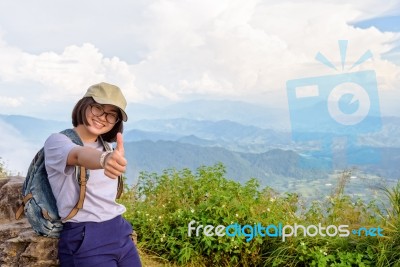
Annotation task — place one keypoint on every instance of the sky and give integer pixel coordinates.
(161, 52)
(167, 51)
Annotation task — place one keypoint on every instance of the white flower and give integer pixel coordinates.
(237, 215)
(192, 210)
(268, 209)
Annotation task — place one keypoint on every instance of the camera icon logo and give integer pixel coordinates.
(332, 107)
(358, 95)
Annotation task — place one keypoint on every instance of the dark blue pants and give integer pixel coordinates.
(105, 244)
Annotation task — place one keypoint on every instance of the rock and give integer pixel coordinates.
(10, 196)
(19, 245)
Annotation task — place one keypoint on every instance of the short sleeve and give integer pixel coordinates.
(56, 150)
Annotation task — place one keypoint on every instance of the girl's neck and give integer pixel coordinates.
(85, 135)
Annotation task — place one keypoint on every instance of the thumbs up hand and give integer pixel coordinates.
(115, 162)
(120, 144)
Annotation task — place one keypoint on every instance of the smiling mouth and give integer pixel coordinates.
(98, 124)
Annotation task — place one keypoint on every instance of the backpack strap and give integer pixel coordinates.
(82, 175)
(20, 209)
(82, 180)
(120, 187)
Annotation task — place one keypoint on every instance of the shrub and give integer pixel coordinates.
(165, 204)
(3, 171)
(161, 206)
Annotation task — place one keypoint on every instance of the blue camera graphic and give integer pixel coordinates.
(326, 110)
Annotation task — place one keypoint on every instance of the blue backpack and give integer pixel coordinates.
(39, 203)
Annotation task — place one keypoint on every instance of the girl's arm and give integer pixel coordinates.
(114, 163)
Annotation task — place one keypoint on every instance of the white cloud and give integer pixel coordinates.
(186, 49)
(11, 102)
(66, 76)
(248, 47)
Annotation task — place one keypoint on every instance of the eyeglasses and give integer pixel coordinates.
(98, 111)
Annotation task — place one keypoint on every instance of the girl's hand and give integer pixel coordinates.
(115, 162)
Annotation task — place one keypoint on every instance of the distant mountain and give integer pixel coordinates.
(215, 110)
(273, 165)
(157, 156)
(246, 150)
(194, 140)
(228, 134)
(139, 135)
(247, 138)
(385, 163)
(34, 129)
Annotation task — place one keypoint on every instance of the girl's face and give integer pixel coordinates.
(101, 118)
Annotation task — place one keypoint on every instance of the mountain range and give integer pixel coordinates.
(244, 138)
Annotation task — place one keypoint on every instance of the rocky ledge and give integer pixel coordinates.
(19, 245)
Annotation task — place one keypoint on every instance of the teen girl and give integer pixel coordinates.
(97, 235)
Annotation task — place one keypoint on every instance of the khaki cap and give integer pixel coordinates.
(105, 93)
